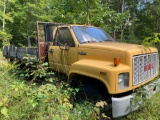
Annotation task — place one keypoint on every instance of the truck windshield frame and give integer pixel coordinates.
(89, 34)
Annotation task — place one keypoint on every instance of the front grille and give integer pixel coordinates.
(144, 67)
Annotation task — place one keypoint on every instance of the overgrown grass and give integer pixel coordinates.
(20, 100)
(148, 112)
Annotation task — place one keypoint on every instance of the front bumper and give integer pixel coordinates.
(122, 106)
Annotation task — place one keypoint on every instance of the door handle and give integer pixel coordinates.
(51, 50)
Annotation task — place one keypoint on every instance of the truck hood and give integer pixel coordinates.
(107, 51)
(116, 46)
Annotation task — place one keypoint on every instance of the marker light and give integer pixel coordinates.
(116, 61)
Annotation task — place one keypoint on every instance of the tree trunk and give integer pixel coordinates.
(28, 29)
(157, 22)
(122, 30)
(114, 34)
(4, 12)
(88, 12)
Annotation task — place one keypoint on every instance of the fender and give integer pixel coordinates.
(100, 70)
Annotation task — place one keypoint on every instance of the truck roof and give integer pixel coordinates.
(76, 25)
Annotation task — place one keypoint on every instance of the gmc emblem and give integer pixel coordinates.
(148, 67)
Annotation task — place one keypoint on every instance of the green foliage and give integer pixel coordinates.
(5, 37)
(30, 100)
(5, 17)
(152, 40)
(140, 97)
(20, 100)
(148, 112)
(130, 20)
(148, 107)
(22, 16)
(32, 71)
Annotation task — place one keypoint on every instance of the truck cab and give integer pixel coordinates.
(88, 51)
(91, 52)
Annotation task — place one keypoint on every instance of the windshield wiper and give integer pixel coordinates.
(89, 41)
(108, 40)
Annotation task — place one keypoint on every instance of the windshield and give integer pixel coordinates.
(87, 34)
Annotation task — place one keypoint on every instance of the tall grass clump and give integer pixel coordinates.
(21, 99)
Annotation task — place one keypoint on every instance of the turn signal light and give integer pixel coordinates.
(116, 61)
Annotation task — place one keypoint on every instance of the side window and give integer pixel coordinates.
(63, 37)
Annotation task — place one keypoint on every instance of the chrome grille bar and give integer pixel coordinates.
(145, 67)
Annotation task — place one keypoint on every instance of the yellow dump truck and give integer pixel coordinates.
(89, 52)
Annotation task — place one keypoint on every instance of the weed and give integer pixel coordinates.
(19, 100)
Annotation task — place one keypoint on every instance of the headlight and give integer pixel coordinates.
(123, 80)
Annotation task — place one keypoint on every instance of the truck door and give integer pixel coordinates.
(63, 53)
(44, 36)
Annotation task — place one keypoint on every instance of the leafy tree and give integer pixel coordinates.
(126, 20)
(152, 40)
(155, 10)
(147, 18)
(4, 17)
(25, 14)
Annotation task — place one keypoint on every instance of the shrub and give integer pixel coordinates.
(20, 100)
(153, 40)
